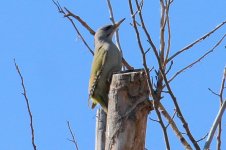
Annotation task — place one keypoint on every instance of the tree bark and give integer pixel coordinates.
(128, 108)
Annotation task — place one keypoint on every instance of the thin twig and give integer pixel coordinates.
(195, 42)
(154, 120)
(61, 10)
(213, 92)
(170, 67)
(28, 106)
(198, 60)
(147, 51)
(139, 9)
(171, 118)
(72, 135)
(202, 138)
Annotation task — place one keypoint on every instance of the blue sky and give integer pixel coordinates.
(55, 65)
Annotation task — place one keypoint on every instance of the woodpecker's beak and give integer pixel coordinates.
(118, 23)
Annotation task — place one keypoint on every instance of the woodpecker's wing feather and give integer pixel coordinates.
(97, 68)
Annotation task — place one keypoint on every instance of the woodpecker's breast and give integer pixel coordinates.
(114, 57)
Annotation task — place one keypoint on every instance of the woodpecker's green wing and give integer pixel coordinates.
(97, 68)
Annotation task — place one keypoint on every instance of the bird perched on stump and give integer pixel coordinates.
(107, 60)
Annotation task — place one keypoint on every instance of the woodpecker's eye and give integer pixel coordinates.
(107, 27)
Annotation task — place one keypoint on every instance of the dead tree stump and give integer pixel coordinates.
(128, 109)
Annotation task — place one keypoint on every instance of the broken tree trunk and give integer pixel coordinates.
(128, 109)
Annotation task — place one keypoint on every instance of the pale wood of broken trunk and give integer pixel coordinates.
(128, 109)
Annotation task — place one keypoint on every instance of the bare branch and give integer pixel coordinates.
(165, 7)
(162, 30)
(145, 65)
(147, 71)
(174, 127)
(84, 24)
(219, 135)
(145, 30)
(181, 117)
(214, 126)
(164, 128)
(113, 21)
(221, 102)
(195, 42)
(158, 57)
(72, 135)
(125, 63)
(139, 8)
(169, 33)
(73, 24)
(28, 106)
(222, 86)
(198, 60)
(111, 11)
(146, 68)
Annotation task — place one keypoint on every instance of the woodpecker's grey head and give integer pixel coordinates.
(106, 32)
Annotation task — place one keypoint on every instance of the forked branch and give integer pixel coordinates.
(181, 117)
(217, 123)
(72, 135)
(84, 24)
(198, 60)
(195, 42)
(62, 11)
(174, 127)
